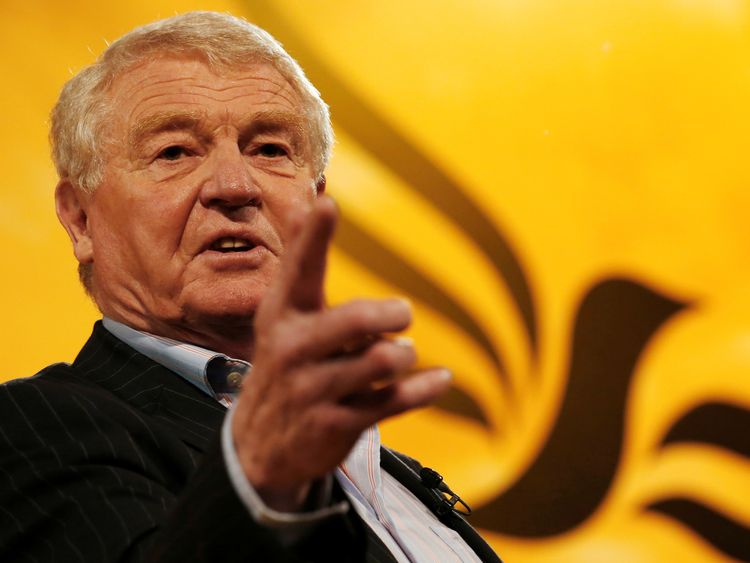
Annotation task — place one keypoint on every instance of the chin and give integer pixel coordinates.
(226, 310)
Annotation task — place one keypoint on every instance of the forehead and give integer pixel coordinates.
(191, 86)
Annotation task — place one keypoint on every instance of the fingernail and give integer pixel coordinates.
(444, 375)
(403, 304)
(403, 341)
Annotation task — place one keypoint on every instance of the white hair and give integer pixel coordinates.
(225, 42)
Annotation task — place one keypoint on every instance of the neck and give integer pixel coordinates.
(226, 336)
(236, 341)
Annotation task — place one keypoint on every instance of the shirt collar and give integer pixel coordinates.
(186, 360)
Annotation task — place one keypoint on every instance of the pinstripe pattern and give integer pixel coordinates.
(187, 360)
(113, 458)
(413, 533)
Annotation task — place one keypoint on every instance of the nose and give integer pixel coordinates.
(231, 183)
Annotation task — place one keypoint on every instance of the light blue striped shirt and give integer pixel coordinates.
(407, 528)
(187, 360)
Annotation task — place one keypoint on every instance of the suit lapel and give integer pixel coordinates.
(151, 388)
(196, 418)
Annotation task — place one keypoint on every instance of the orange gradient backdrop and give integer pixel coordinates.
(601, 139)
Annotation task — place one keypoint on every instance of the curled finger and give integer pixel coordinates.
(415, 391)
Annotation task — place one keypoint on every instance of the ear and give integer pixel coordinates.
(320, 187)
(71, 204)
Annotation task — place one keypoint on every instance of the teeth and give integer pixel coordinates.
(230, 242)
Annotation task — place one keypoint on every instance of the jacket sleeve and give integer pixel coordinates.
(85, 479)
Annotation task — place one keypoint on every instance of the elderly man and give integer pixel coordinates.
(191, 159)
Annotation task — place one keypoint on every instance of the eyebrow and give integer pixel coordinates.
(270, 122)
(259, 123)
(161, 122)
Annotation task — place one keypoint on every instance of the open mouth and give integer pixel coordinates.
(231, 244)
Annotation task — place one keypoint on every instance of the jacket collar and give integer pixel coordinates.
(109, 362)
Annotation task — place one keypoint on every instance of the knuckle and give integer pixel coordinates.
(384, 359)
(298, 390)
(309, 387)
(285, 340)
(327, 424)
(283, 348)
(361, 316)
(398, 356)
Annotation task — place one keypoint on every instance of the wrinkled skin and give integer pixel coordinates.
(194, 160)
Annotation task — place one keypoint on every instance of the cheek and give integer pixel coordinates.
(287, 203)
(160, 220)
(143, 232)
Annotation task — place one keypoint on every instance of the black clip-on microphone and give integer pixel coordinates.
(428, 486)
(433, 480)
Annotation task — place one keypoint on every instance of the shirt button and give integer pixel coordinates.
(234, 379)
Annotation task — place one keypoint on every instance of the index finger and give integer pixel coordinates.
(304, 264)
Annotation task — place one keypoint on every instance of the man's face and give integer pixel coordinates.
(191, 218)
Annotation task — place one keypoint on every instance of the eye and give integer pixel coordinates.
(175, 152)
(271, 150)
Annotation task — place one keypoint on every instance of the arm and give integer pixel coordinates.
(321, 375)
(86, 477)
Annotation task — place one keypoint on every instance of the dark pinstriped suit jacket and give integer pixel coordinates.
(113, 458)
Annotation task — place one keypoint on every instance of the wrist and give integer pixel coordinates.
(274, 488)
(285, 499)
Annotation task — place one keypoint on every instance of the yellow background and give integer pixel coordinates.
(603, 137)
